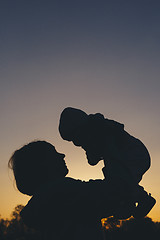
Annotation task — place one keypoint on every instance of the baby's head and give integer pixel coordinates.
(83, 130)
(36, 163)
(71, 124)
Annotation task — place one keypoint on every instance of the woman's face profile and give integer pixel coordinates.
(59, 164)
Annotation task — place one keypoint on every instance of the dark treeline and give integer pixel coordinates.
(15, 229)
(132, 229)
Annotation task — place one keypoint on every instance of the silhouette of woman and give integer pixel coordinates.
(60, 207)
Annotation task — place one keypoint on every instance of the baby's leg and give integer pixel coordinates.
(115, 171)
(144, 201)
(140, 203)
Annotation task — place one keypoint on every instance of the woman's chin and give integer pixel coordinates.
(67, 171)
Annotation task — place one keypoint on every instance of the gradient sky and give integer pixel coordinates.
(100, 56)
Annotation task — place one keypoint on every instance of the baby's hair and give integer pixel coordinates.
(31, 164)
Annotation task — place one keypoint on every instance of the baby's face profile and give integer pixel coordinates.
(89, 144)
(93, 157)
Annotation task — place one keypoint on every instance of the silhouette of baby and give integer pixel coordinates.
(61, 207)
(125, 157)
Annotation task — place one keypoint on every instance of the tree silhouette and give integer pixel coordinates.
(15, 229)
(132, 229)
(3, 228)
(110, 223)
(16, 212)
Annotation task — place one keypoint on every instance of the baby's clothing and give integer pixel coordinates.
(125, 157)
(114, 144)
(128, 156)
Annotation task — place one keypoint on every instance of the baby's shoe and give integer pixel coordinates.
(144, 206)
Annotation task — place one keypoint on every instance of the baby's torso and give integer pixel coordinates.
(130, 153)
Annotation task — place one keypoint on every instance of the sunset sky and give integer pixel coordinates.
(99, 56)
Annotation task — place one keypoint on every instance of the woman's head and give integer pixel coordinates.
(35, 164)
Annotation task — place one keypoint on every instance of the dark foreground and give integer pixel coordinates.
(142, 229)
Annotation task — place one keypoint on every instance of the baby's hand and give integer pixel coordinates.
(92, 158)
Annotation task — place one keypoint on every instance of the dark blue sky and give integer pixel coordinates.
(49, 28)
